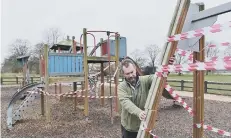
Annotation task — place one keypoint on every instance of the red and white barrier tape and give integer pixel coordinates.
(178, 99)
(144, 127)
(189, 56)
(70, 94)
(221, 44)
(190, 110)
(225, 58)
(200, 32)
(214, 65)
(210, 128)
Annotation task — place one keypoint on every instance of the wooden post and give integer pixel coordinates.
(48, 114)
(157, 86)
(74, 83)
(102, 85)
(198, 92)
(75, 98)
(86, 105)
(182, 85)
(117, 38)
(41, 78)
(206, 87)
(101, 77)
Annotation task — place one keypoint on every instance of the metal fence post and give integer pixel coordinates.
(16, 80)
(206, 86)
(182, 85)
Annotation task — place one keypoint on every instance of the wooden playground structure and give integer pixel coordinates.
(62, 64)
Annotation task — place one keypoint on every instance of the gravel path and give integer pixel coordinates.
(66, 123)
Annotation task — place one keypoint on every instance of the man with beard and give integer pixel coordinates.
(132, 93)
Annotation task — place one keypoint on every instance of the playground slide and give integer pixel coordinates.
(12, 118)
(94, 49)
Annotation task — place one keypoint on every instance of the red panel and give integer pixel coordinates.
(104, 48)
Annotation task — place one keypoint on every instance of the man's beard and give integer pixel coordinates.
(132, 81)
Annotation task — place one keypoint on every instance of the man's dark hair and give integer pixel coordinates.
(125, 62)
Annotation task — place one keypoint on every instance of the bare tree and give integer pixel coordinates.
(179, 59)
(153, 51)
(228, 51)
(18, 48)
(210, 51)
(53, 35)
(138, 56)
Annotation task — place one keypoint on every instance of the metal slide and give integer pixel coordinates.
(13, 116)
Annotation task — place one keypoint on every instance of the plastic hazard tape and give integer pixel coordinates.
(179, 99)
(226, 58)
(200, 32)
(221, 44)
(210, 128)
(214, 65)
(70, 94)
(144, 127)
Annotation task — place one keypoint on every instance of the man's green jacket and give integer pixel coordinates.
(132, 101)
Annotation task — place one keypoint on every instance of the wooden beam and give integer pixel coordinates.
(198, 88)
(157, 86)
(86, 103)
(41, 60)
(102, 86)
(117, 38)
(48, 111)
(101, 78)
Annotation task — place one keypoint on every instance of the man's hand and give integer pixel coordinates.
(142, 115)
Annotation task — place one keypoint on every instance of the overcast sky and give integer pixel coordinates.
(143, 23)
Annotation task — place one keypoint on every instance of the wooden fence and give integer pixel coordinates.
(187, 85)
(182, 85)
(16, 80)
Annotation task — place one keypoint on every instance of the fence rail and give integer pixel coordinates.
(184, 85)
(17, 80)
(209, 86)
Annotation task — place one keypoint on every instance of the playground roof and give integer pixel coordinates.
(23, 57)
(65, 45)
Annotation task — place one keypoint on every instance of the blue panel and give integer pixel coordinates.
(73, 63)
(77, 63)
(81, 64)
(123, 47)
(65, 63)
(62, 64)
(56, 64)
(69, 64)
(112, 47)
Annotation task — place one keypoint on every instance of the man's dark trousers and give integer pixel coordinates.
(128, 134)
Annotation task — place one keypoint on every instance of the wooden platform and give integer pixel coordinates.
(97, 59)
(65, 79)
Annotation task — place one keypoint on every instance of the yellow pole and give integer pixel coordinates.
(198, 88)
(117, 73)
(48, 114)
(101, 78)
(41, 78)
(86, 112)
